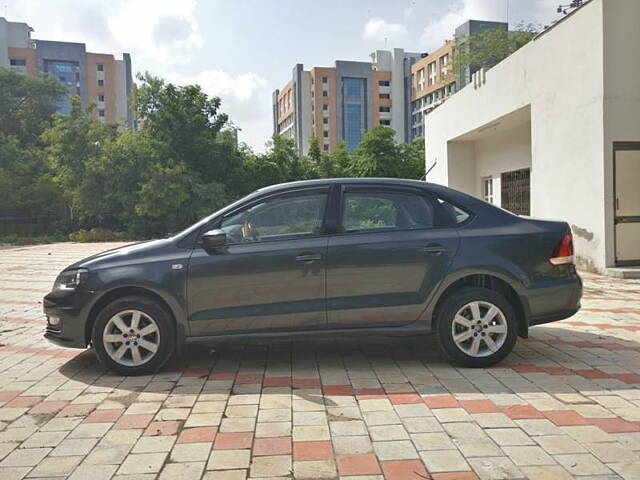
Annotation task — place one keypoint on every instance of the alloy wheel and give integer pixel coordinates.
(479, 329)
(131, 338)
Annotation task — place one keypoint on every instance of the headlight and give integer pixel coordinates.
(70, 279)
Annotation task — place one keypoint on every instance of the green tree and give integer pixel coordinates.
(315, 155)
(75, 143)
(412, 164)
(341, 160)
(188, 121)
(489, 47)
(377, 155)
(27, 105)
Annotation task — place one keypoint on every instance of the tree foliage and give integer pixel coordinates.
(489, 47)
(181, 164)
(26, 109)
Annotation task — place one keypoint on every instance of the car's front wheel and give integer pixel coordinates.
(476, 327)
(133, 335)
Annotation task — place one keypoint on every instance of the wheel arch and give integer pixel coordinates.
(124, 291)
(499, 282)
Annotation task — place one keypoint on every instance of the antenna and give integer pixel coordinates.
(385, 42)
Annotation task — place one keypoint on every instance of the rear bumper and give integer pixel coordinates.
(555, 300)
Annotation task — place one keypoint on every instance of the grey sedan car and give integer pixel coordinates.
(324, 257)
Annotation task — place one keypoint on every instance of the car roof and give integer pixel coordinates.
(352, 180)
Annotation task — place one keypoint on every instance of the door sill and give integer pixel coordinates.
(364, 331)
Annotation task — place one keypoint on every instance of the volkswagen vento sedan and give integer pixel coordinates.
(324, 257)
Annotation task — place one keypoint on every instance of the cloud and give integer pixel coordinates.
(161, 33)
(378, 29)
(459, 12)
(245, 97)
(442, 28)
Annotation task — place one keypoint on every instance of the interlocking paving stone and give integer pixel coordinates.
(565, 404)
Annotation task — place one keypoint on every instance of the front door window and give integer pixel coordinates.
(277, 219)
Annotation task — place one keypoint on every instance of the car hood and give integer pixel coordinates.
(122, 254)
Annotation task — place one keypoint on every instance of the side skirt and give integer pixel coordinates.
(388, 331)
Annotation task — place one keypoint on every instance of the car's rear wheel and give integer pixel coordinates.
(133, 335)
(476, 327)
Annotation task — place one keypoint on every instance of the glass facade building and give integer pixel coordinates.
(355, 110)
(67, 73)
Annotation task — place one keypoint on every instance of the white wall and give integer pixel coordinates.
(121, 91)
(502, 152)
(4, 43)
(560, 75)
(621, 93)
(305, 111)
(12, 34)
(398, 94)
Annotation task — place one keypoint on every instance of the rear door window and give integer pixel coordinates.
(383, 211)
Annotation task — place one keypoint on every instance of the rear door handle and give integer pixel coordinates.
(308, 257)
(435, 249)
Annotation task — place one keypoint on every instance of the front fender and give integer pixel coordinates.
(159, 280)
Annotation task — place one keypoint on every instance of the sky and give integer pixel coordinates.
(242, 50)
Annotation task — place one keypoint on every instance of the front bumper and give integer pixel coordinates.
(72, 308)
(555, 300)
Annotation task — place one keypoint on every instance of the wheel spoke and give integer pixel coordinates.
(491, 313)
(459, 319)
(461, 337)
(475, 311)
(135, 320)
(120, 351)
(496, 329)
(490, 343)
(148, 330)
(119, 322)
(152, 347)
(113, 338)
(475, 346)
(135, 355)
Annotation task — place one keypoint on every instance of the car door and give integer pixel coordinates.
(391, 252)
(270, 274)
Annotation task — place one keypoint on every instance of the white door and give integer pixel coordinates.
(627, 204)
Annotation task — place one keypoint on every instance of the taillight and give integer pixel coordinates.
(563, 254)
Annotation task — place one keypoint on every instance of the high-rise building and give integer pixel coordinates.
(94, 77)
(340, 103)
(433, 79)
(432, 82)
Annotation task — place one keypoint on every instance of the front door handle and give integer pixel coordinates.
(308, 257)
(435, 249)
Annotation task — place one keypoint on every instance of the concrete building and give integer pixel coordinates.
(554, 131)
(340, 103)
(433, 79)
(94, 77)
(432, 82)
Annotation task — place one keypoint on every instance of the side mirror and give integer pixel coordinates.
(213, 239)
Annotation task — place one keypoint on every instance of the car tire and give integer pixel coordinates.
(476, 327)
(134, 335)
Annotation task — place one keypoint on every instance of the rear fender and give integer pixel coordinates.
(428, 315)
